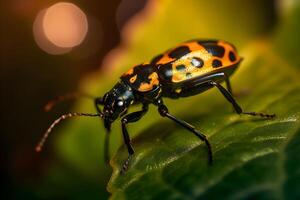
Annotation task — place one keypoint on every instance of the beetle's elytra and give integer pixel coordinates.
(189, 69)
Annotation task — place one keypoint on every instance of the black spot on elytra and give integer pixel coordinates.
(165, 71)
(180, 68)
(214, 49)
(156, 59)
(197, 62)
(216, 63)
(188, 75)
(232, 56)
(179, 52)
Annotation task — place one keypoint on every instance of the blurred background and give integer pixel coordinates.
(48, 47)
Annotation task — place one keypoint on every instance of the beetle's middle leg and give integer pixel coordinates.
(132, 117)
(236, 107)
(163, 111)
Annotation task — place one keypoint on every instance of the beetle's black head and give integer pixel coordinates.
(116, 102)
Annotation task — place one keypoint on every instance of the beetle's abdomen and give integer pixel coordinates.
(196, 59)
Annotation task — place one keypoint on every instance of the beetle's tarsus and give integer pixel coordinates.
(264, 115)
(125, 165)
(235, 105)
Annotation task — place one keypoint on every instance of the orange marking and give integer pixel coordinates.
(228, 47)
(199, 52)
(144, 87)
(193, 46)
(132, 79)
(129, 72)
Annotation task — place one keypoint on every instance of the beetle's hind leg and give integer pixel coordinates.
(236, 107)
(163, 111)
(241, 93)
(228, 84)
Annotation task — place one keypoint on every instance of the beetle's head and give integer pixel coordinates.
(116, 102)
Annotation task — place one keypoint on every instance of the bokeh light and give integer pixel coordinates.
(65, 24)
(60, 27)
(41, 39)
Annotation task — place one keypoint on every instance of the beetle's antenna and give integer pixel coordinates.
(57, 121)
(65, 97)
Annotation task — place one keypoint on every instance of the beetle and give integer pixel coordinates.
(189, 69)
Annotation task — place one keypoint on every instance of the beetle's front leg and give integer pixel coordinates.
(132, 117)
(99, 101)
(236, 107)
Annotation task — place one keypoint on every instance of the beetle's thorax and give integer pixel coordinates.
(117, 101)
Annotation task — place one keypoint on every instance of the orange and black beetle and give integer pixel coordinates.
(189, 69)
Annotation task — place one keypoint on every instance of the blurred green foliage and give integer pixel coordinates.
(253, 157)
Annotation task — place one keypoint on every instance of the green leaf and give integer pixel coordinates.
(253, 158)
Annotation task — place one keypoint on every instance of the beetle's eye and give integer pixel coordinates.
(120, 103)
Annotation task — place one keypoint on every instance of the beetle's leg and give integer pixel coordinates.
(106, 146)
(99, 101)
(229, 88)
(228, 85)
(236, 107)
(132, 117)
(163, 111)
